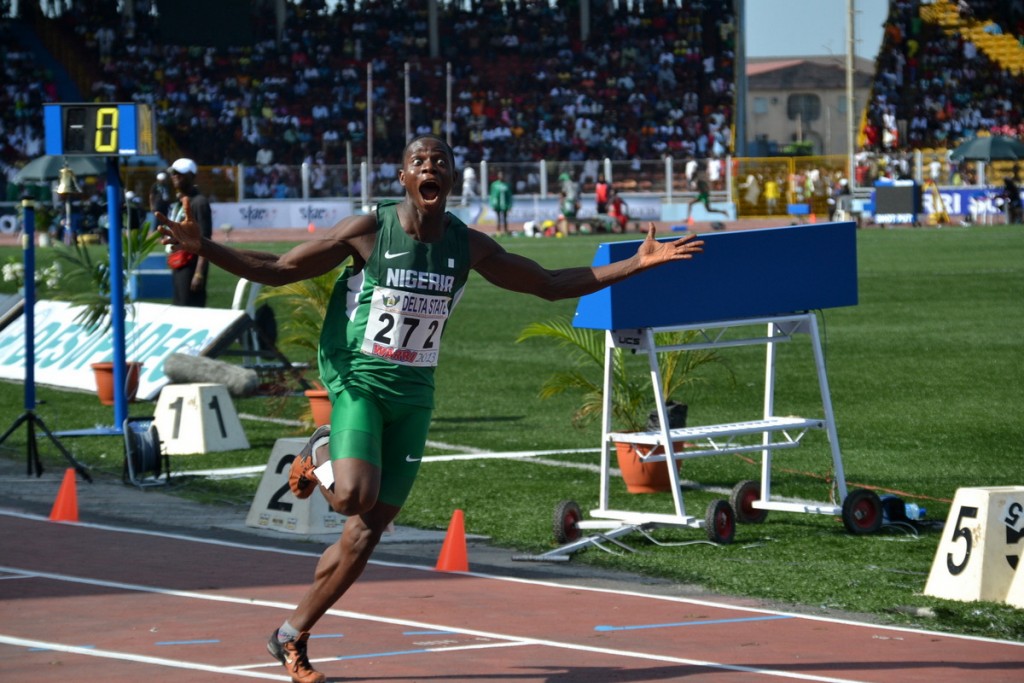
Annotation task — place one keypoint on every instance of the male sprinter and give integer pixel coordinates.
(379, 346)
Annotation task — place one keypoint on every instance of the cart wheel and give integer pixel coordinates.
(742, 499)
(567, 519)
(720, 522)
(862, 512)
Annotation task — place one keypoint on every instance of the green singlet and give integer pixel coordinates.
(381, 341)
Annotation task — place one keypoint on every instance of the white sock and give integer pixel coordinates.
(322, 441)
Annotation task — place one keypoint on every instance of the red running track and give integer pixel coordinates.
(86, 604)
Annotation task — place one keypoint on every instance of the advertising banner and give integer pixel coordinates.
(65, 349)
(280, 214)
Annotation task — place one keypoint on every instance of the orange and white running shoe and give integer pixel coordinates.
(293, 655)
(301, 479)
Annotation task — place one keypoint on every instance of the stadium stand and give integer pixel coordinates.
(524, 85)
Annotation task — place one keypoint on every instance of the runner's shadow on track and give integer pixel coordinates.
(616, 674)
(576, 674)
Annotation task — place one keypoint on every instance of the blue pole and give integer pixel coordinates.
(116, 291)
(28, 245)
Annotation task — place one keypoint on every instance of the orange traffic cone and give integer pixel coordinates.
(65, 507)
(453, 551)
(311, 227)
(689, 220)
(812, 218)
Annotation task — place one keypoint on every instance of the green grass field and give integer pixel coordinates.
(927, 381)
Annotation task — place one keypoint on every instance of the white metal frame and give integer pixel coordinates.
(776, 433)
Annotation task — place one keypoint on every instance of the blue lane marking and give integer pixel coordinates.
(691, 623)
(428, 633)
(47, 649)
(187, 642)
(326, 635)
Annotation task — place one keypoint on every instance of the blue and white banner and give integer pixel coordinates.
(280, 214)
(65, 350)
(976, 202)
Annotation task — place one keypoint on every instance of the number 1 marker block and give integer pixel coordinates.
(981, 545)
(275, 507)
(198, 418)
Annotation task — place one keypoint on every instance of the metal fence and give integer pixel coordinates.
(759, 186)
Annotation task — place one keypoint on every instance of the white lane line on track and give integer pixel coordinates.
(383, 620)
(4, 512)
(138, 659)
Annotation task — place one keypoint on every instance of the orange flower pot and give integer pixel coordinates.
(319, 405)
(640, 476)
(104, 374)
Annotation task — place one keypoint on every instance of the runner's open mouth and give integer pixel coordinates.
(430, 190)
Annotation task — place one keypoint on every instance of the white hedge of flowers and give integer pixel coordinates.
(49, 277)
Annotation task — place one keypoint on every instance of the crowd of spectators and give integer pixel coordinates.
(933, 89)
(24, 89)
(524, 86)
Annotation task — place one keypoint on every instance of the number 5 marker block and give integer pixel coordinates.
(981, 545)
(198, 418)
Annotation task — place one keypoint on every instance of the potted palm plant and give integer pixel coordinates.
(306, 303)
(85, 282)
(632, 393)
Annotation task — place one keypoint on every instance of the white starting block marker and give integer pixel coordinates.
(276, 507)
(981, 546)
(198, 418)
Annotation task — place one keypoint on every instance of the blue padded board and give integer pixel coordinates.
(740, 274)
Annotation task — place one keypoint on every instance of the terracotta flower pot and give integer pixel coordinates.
(651, 477)
(319, 405)
(643, 477)
(104, 374)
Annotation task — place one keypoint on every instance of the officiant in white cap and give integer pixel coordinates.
(188, 271)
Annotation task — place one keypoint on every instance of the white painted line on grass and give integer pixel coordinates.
(510, 455)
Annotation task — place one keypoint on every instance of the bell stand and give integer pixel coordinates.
(29, 417)
(117, 327)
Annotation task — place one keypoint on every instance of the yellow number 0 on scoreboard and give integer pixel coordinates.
(106, 129)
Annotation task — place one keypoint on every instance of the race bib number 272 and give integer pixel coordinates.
(405, 327)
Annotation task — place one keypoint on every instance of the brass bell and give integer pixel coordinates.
(67, 186)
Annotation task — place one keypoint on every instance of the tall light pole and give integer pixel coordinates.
(740, 12)
(448, 103)
(408, 115)
(851, 115)
(369, 129)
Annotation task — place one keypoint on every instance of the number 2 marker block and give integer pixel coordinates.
(275, 507)
(981, 545)
(198, 418)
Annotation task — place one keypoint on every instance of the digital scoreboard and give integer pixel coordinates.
(99, 129)
(897, 202)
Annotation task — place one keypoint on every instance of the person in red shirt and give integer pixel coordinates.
(601, 193)
(618, 210)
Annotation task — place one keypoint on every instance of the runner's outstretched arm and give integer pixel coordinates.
(520, 274)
